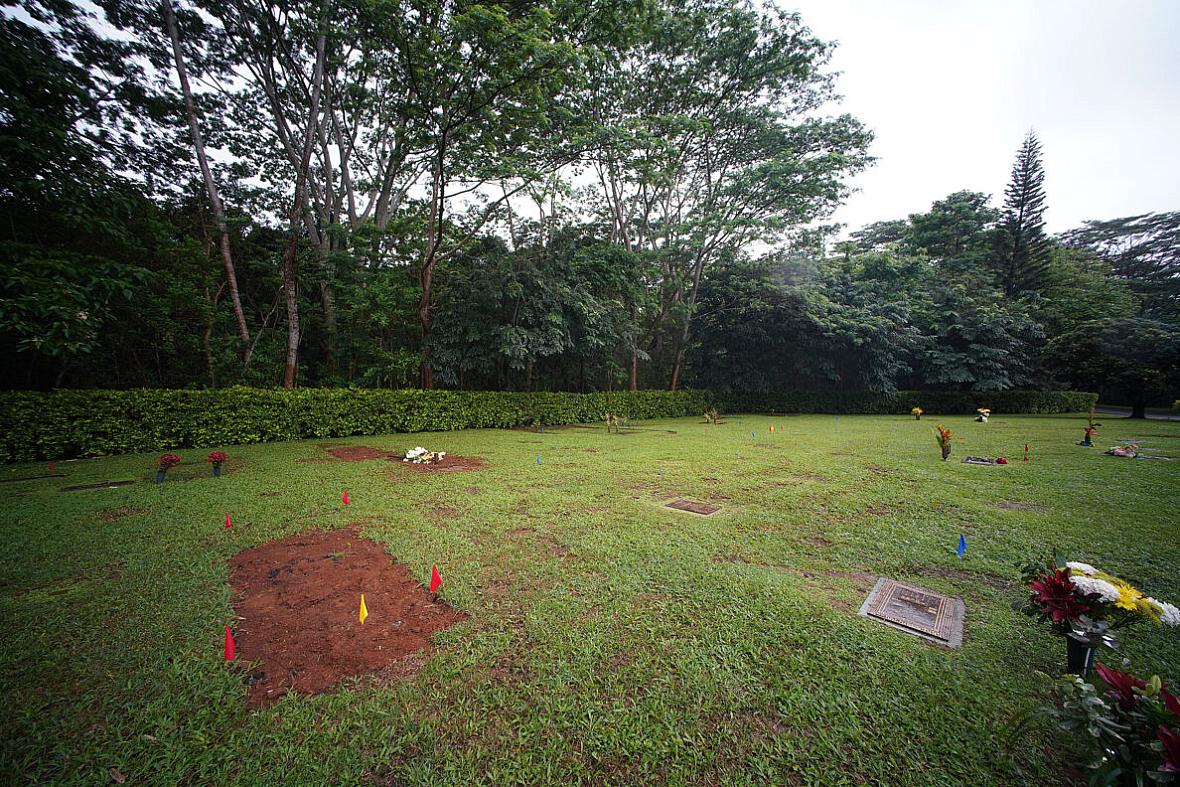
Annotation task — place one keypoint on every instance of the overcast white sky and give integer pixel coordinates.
(951, 87)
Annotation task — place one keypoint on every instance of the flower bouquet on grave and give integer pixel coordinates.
(167, 461)
(982, 414)
(1091, 430)
(216, 458)
(1086, 605)
(917, 413)
(1129, 450)
(1130, 727)
(420, 456)
(943, 435)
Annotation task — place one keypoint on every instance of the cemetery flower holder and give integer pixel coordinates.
(1086, 605)
(1127, 728)
(1088, 437)
(982, 414)
(166, 461)
(943, 435)
(917, 413)
(216, 458)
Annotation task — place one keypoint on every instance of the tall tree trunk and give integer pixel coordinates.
(289, 280)
(682, 344)
(328, 301)
(1138, 408)
(426, 271)
(210, 185)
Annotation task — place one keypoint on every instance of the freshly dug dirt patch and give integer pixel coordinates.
(449, 464)
(297, 604)
(359, 453)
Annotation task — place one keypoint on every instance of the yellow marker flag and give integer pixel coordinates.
(364, 612)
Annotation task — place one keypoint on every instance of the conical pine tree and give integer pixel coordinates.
(1022, 248)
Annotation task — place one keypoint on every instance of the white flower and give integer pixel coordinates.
(1169, 614)
(1088, 585)
(1084, 568)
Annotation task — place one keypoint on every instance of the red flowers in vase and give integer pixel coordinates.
(1055, 595)
(166, 461)
(216, 458)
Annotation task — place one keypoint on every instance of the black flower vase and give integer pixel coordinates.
(1079, 657)
(216, 469)
(160, 475)
(946, 452)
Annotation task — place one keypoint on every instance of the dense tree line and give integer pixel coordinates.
(549, 195)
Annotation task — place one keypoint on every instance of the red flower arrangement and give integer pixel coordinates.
(1056, 596)
(217, 457)
(1171, 741)
(1001, 461)
(1129, 725)
(1122, 683)
(169, 460)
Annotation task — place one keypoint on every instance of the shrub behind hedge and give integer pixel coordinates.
(63, 424)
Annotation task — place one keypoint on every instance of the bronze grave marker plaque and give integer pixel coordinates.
(916, 610)
(704, 509)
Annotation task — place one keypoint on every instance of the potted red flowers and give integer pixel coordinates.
(166, 461)
(216, 458)
(1128, 726)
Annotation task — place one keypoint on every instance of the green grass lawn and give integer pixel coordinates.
(609, 640)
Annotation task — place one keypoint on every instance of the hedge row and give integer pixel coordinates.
(932, 402)
(64, 424)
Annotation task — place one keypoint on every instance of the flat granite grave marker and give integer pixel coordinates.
(704, 509)
(917, 611)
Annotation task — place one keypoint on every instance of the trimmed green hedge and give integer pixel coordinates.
(932, 402)
(64, 424)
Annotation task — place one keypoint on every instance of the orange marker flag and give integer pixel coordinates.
(364, 610)
(228, 524)
(230, 651)
(435, 579)
(345, 498)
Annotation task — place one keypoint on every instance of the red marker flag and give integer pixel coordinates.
(435, 579)
(51, 468)
(229, 645)
(228, 524)
(345, 498)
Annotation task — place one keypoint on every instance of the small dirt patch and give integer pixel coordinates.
(693, 507)
(100, 485)
(879, 470)
(449, 464)
(1010, 506)
(517, 532)
(298, 602)
(113, 514)
(359, 453)
(441, 514)
(818, 542)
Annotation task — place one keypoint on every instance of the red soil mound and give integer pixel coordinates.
(298, 601)
(449, 464)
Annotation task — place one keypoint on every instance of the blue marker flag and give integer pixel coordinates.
(962, 545)
(538, 459)
(751, 434)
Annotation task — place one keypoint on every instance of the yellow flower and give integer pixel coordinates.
(1129, 597)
